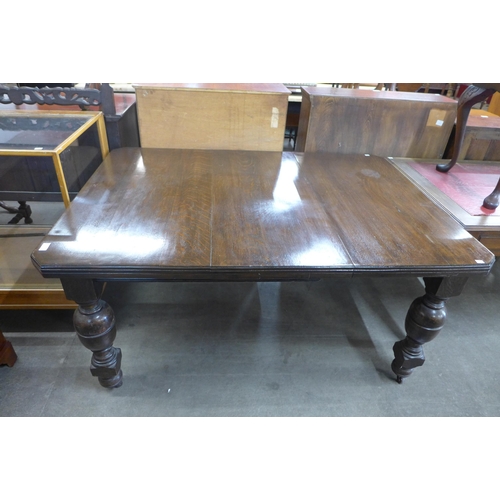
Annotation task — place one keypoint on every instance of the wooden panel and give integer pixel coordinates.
(212, 116)
(181, 214)
(398, 124)
(267, 215)
(482, 137)
(35, 299)
(383, 219)
(490, 239)
(144, 208)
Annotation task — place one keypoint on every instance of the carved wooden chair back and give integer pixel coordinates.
(94, 94)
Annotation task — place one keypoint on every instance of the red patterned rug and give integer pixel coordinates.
(467, 185)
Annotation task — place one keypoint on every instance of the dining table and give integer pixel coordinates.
(182, 215)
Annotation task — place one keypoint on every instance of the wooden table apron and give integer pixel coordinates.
(200, 215)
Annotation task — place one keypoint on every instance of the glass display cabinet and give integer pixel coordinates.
(48, 156)
(44, 156)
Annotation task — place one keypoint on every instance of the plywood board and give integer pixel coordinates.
(251, 117)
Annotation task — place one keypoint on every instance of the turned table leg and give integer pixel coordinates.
(424, 321)
(94, 322)
(7, 354)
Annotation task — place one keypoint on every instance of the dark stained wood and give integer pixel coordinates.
(153, 213)
(95, 325)
(252, 216)
(405, 124)
(7, 354)
(425, 319)
(492, 201)
(61, 95)
(473, 94)
(266, 214)
(383, 221)
(122, 101)
(183, 211)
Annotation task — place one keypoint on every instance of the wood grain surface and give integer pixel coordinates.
(482, 138)
(212, 116)
(398, 124)
(197, 214)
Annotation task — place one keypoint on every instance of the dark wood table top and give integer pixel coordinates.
(239, 215)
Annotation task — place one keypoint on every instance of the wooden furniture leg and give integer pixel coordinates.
(7, 354)
(94, 322)
(424, 321)
(493, 199)
(472, 95)
(23, 212)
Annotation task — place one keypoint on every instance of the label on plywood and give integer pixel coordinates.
(275, 118)
(436, 118)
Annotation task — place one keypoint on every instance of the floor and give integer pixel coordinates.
(267, 349)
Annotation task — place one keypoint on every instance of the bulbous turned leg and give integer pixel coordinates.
(95, 326)
(424, 320)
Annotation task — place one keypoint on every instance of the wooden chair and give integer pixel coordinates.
(7, 354)
(473, 94)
